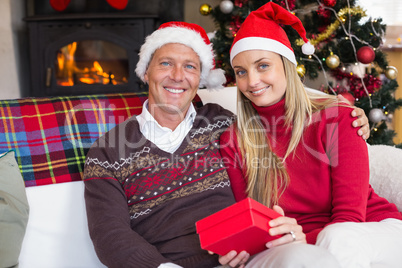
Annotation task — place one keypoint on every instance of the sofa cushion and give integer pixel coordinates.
(51, 136)
(385, 172)
(57, 233)
(14, 210)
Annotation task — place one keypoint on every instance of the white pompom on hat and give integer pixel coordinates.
(261, 30)
(188, 34)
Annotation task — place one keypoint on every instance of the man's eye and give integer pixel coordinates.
(189, 66)
(165, 63)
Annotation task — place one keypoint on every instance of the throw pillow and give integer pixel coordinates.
(14, 210)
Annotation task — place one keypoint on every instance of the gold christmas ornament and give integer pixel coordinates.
(301, 70)
(391, 72)
(205, 9)
(332, 61)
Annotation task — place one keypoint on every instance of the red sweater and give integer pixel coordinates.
(329, 174)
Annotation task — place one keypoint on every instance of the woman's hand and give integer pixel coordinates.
(232, 259)
(288, 227)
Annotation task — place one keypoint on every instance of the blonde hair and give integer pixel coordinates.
(267, 182)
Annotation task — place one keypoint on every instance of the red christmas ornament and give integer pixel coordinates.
(365, 55)
(329, 3)
(349, 97)
(59, 5)
(118, 4)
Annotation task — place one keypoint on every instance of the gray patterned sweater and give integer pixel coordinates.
(142, 203)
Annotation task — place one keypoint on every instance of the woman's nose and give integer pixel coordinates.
(253, 79)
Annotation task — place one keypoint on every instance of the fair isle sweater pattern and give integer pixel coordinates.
(151, 177)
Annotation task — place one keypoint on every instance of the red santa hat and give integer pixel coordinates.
(261, 30)
(191, 35)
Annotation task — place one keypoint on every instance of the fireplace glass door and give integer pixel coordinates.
(91, 62)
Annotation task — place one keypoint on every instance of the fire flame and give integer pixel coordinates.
(69, 74)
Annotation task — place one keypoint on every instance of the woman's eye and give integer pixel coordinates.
(263, 66)
(240, 73)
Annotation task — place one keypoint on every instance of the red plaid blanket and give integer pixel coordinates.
(51, 136)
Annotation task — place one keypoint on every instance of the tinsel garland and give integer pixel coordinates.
(355, 84)
(332, 27)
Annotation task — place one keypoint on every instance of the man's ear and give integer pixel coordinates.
(146, 77)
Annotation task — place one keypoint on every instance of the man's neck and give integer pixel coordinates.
(170, 121)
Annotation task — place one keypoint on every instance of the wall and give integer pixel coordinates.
(192, 13)
(395, 59)
(393, 50)
(12, 38)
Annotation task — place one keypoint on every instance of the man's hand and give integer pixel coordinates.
(232, 259)
(361, 121)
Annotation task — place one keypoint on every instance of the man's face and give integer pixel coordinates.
(173, 76)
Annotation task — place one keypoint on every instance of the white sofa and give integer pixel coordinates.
(57, 234)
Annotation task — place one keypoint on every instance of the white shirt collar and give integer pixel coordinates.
(163, 137)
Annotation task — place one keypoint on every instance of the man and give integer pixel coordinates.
(149, 180)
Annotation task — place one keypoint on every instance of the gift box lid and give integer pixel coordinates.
(232, 211)
(241, 226)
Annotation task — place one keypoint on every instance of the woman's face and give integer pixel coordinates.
(260, 76)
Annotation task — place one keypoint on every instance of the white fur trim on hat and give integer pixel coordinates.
(187, 37)
(262, 43)
(308, 48)
(216, 79)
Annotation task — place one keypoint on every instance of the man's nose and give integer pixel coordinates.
(177, 73)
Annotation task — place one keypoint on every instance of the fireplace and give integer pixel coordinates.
(72, 55)
(88, 48)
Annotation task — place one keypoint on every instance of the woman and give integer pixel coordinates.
(296, 151)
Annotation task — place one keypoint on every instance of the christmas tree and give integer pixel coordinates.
(348, 56)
